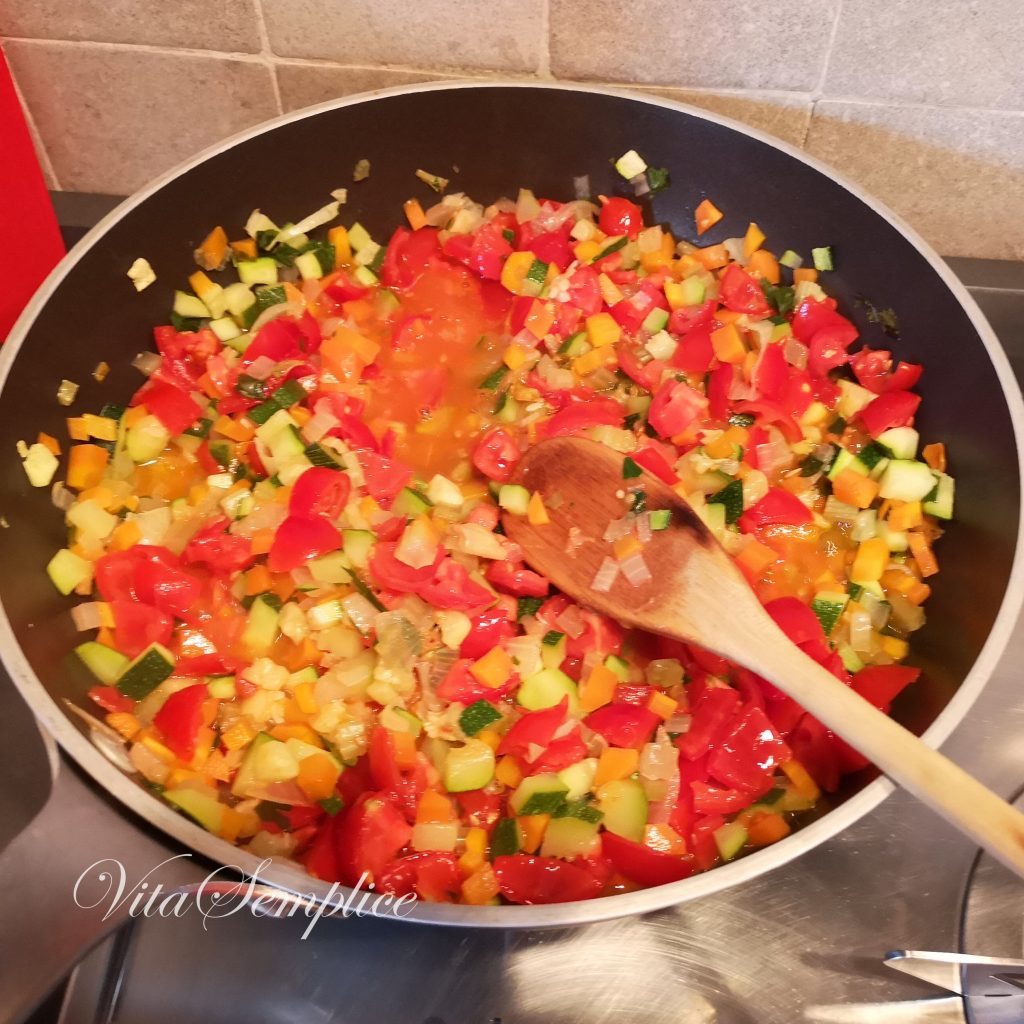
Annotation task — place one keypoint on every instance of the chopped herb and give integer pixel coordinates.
(365, 591)
(332, 804)
(319, 456)
(741, 419)
(781, 297)
(773, 795)
(778, 321)
(494, 378)
(885, 318)
(810, 465)
(435, 181)
(872, 454)
(274, 813)
(201, 428)
(528, 606)
(509, 235)
(615, 246)
(478, 716)
(630, 469)
(221, 453)
(265, 238)
(657, 178)
(638, 502)
(649, 430)
(112, 412)
(552, 638)
(501, 402)
(250, 387)
(731, 496)
(378, 260)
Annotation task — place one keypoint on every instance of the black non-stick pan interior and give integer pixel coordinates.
(490, 141)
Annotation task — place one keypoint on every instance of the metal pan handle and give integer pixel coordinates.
(58, 883)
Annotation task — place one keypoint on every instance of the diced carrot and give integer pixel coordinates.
(213, 253)
(706, 216)
(665, 839)
(86, 464)
(801, 779)
(906, 517)
(494, 668)
(300, 414)
(305, 698)
(762, 263)
(474, 852)
(125, 535)
(124, 723)
(238, 735)
(481, 888)
(727, 343)
(317, 776)
(490, 737)
(258, 580)
(804, 274)
(296, 731)
(50, 443)
(414, 214)
(923, 554)
(755, 558)
(531, 831)
(626, 546)
(598, 688)
(854, 488)
(77, 428)
(536, 512)
(237, 430)
(508, 772)
(404, 746)
(338, 237)
(935, 456)
(245, 247)
(616, 763)
(662, 705)
(284, 586)
(134, 414)
(871, 558)
(767, 828)
(660, 257)
(434, 807)
(918, 593)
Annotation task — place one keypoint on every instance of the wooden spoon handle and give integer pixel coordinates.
(923, 772)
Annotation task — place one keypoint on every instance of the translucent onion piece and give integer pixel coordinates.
(635, 570)
(360, 611)
(87, 615)
(581, 186)
(261, 367)
(61, 497)
(795, 353)
(146, 363)
(571, 621)
(605, 576)
(273, 312)
(860, 631)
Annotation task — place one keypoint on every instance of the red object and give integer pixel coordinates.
(370, 836)
(641, 864)
(173, 407)
(25, 213)
(431, 876)
(579, 416)
(674, 407)
(749, 753)
(739, 292)
(384, 477)
(777, 507)
(110, 698)
(451, 587)
(893, 409)
(488, 630)
(621, 217)
(496, 454)
(299, 540)
(221, 552)
(873, 369)
(711, 717)
(525, 879)
(695, 351)
(180, 719)
(517, 579)
(881, 684)
(534, 728)
(827, 334)
(137, 625)
(623, 725)
(319, 492)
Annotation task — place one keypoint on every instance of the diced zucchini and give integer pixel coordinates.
(477, 716)
(940, 503)
(730, 500)
(258, 271)
(66, 570)
(630, 164)
(661, 344)
(846, 460)
(617, 665)
(514, 499)
(656, 320)
(106, 664)
(410, 502)
(570, 837)
(693, 290)
(850, 658)
(546, 688)
(259, 222)
(357, 544)
(552, 653)
(261, 627)
(308, 265)
(906, 481)
(358, 237)
(470, 766)
(146, 439)
(852, 398)
(190, 306)
(539, 794)
(730, 838)
(203, 808)
(241, 303)
(332, 569)
(901, 441)
(221, 687)
(791, 259)
(895, 539)
(225, 328)
(822, 257)
(575, 345)
(269, 295)
(828, 606)
(146, 672)
(624, 806)
(505, 838)
(365, 276)
(442, 491)
(579, 777)
(40, 465)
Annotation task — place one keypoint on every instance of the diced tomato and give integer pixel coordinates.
(370, 835)
(630, 313)
(168, 587)
(874, 370)
(559, 754)
(321, 858)
(221, 552)
(708, 799)
(482, 808)
(580, 416)
(384, 477)
(279, 340)
(430, 875)
(138, 625)
(174, 407)
(300, 539)
(742, 293)
(391, 574)
(110, 698)
(711, 716)
(619, 216)
(623, 725)
(209, 665)
(827, 334)
(460, 686)
(408, 256)
(451, 587)
(180, 718)
(674, 407)
(694, 352)
(814, 747)
(488, 629)
(319, 492)
(514, 578)
(777, 507)
(600, 635)
(535, 728)
(534, 880)
(773, 413)
(880, 685)
(641, 864)
(718, 387)
(652, 458)
(553, 247)
(892, 409)
(749, 753)
(585, 290)
(496, 454)
(771, 373)
(702, 840)
(343, 289)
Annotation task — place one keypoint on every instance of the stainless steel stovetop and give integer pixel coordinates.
(804, 943)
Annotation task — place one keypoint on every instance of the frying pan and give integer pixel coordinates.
(490, 139)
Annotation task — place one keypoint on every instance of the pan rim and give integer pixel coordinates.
(180, 829)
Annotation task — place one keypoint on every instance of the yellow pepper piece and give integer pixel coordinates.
(616, 763)
(801, 779)
(338, 237)
(317, 775)
(598, 688)
(493, 669)
(513, 273)
(896, 648)
(662, 705)
(626, 546)
(508, 772)
(609, 291)
(514, 357)
(906, 517)
(536, 512)
(474, 855)
(602, 330)
(305, 698)
(239, 735)
(531, 831)
(593, 360)
(752, 240)
(586, 251)
(728, 344)
(872, 557)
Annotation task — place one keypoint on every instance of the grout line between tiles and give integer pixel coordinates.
(544, 62)
(829, 49)
(267, 53)
(49, 171)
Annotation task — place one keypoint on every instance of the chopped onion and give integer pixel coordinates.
(905, 614)
(439, 214)
(635, 570)
(605, 576)
(640, 184)
(154, 524)
(87, 616)
(773, 455)
(261, 367)
(442, 836)
(571, 620)
(525, 652)
(643, 527)
(679, 723)
(837, 511)
(310, 289)
(474, 539)
(864, 528)
(318, 424)
(314, 220)
(734, 247)
(581, 186)
(360, 611)
(273, 312)
(877, 609)
(527, 207)
(61, 497)
(146, 363)
(617, 529)
(658, 760)
(860, 631)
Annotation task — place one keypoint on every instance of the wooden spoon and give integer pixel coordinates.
(698, 595)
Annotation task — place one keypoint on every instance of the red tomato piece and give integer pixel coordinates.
(893, 409)
(370, 835)
(209, 665)
(482, 808)
(815, 748)
(515, 578)
(553, 247)
(773, 412)
(643, 865)
(712, 714)
(461, 687)
(168, 587)
(796, 620)
(709, 799)
(619, 217)
(110, 698)
(880, 685)
(771, 373)
(300, 539)
(319, 492)
(742, 293)
(496, 454)
(533, 880)
(585, 290)
(579, 416)
(694, 352)
(221, 552)
(180, 719)
(408, 256)
(174, 407)
(488, 629)
(451, 587)
(777, 507)
(827, 334)
(384, 477)
(675, 406)
(719, 385)
(623, 725)
(138, 625)
(702, 840)
(748, 754)
(321, 858)
(874, 371)
(559, 754)
(433, 876)
(535, 728)
(652, 458)
(391, 574)
(279, 340)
